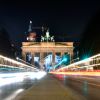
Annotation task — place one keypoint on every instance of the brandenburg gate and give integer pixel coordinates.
(43, 48)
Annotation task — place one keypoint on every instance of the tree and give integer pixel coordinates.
(5, 45)
(90, 42)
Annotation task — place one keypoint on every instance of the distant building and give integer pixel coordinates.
(31, 34)
(31, 37)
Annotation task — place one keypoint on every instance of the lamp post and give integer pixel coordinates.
(25, 62)
(74, 59)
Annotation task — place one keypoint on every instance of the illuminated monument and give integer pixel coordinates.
(38, 51)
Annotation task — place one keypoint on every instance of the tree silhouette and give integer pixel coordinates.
(90, 43)
(5, 45)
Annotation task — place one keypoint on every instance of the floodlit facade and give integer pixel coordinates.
(38, 51)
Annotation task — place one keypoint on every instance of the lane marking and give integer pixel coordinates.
(87, 83)
(14, 94)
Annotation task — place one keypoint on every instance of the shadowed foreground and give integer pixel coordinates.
(49, 88)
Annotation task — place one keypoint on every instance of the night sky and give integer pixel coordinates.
(63, 17)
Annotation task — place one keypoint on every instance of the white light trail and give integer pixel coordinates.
(80, 62)
(12, 96)
(19, 64)
(77, 73)
(6, 79)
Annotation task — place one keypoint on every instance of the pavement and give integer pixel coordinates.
(49, 88)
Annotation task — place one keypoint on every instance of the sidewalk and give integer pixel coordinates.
(49, 89)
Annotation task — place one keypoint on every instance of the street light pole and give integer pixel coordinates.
(74, 59)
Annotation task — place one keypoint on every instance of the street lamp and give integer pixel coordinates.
(25, 62)
(74, 59)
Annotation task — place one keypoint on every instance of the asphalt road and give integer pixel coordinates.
(10, 91)
(89, 87)
(49, 88)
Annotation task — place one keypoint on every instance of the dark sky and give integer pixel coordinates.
(68, 17)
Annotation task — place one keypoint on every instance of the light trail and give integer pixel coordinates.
(10, 62)
(9, 78)
(13, 95)
(78, 73)
(9, 66)
(82, 64)
(90, 83)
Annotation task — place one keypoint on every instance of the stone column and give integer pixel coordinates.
(41, 57)
(24, 56)
(71, 54)
(53, 58)
(41, 60)
(62, 53)
(32, 57)
(70, 57)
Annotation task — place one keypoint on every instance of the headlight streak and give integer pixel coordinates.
(10, 78)
(11, 97)
(84, 73)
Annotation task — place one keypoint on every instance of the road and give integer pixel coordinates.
(89, 87)
(9, 92)
(12, 84)
(49, 88)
